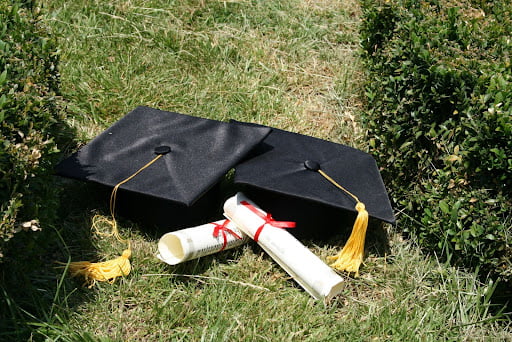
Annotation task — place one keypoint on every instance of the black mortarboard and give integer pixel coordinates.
(281, 176)
(195, 154)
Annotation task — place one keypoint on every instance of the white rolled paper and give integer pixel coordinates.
(317, 278)
(195, 242)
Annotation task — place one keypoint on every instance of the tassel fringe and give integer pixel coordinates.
(102, 271)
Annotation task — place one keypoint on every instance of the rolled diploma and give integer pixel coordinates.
(195, 242)
(321, 281)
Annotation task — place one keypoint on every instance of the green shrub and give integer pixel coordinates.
(29, 119)
(440, 121)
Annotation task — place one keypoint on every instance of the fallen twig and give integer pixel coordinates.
(205, 277)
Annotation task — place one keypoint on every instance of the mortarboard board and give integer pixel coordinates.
(297, 177)
(195, 154)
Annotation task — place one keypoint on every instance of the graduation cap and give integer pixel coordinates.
(188, 155)
(164, 166)
(318, 184)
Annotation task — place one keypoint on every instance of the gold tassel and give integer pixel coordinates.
(106, 270)
(111, 269)
(102, 271)
(351, 256)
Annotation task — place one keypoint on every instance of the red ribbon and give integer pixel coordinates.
(268, 220)
(221, 228)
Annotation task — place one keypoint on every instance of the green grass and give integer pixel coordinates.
(279, 62)
(289, 64)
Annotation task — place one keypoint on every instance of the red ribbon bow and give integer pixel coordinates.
(268, 220)
(221, 228)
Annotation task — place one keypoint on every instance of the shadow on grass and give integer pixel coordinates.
(35, 289)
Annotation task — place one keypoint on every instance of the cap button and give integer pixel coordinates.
(312, 165)
(162, 149)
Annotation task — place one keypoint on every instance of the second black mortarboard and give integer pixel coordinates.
(315, 182)
(193, 154)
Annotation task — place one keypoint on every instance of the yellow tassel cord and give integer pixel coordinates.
(111, 269)
(351, 256)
